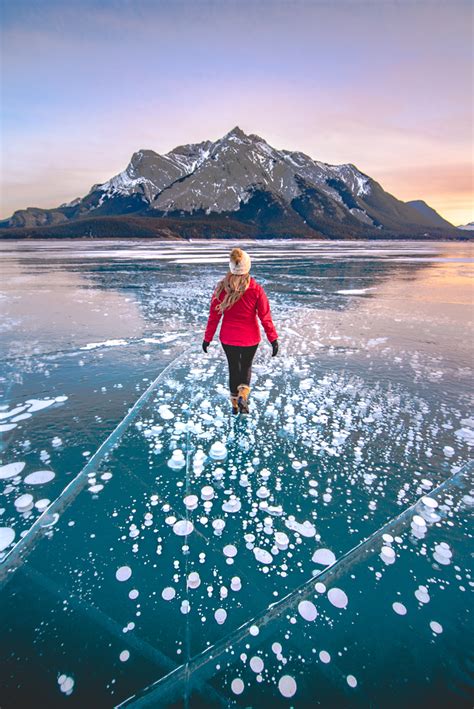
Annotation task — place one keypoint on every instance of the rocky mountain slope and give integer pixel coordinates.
(236, 187)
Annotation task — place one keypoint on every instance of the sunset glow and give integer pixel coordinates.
(386, 86)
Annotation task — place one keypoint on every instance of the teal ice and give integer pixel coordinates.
(157, 551)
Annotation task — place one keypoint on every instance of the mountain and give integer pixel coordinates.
(429, 213)
(238, 186)
(468, 227)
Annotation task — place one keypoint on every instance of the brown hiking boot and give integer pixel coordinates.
(235, 405)
(244, 391)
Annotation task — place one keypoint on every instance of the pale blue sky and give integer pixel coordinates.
(384, 85)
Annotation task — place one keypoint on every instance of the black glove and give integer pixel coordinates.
(274, 345)
(205, 345)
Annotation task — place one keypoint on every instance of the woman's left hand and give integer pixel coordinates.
(274, 345)
(205, 345)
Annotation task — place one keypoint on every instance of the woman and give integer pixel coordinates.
(240, 299)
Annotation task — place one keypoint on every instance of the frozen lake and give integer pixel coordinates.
(143, 564)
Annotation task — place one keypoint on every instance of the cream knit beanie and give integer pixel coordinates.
(239, 263)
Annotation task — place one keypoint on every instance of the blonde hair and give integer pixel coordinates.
(233, 285)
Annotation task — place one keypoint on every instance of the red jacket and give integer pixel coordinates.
(240, 324)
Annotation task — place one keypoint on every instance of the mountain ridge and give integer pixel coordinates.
(240, 184)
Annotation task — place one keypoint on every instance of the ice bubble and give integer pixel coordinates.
(448, 451)
(320, 587)
(256, 664)
(253, 630)
(24, 503)
(351, 681)
(183, 527)
(237, 686)
(307, 610)
(233, 504)
(66, 684)
(42, 504)
(387, 554)
(325, 557)
(177, 459)
(133, 594)
(194, 580)
(7, 535)
(235, 583)
(337, 597)
(38, 404)
(325, 657)
(306, 529)
(49, 520)
(165, 413)
(4, 427)
(429, 502)
(12, 412)
(230, 550)
(207, 492)
(387, 538)
(436, 627)
(287, 686)
(220, 615)
(11, 470)
(123, 573)
(218, 525)
(191, 502)
(263, 492)
(263, 556)
(274, 510)
(419, 521)
(218, 451)
(218, 473)
(168, 593)
(281, 540)
(97, 488)
(399, 608)
(124, 656)
(21, 417)
(422, 596)
(185, 607)
(277, 648)
(443, 560)
(39, 477)
(442, 554)
(443, 550)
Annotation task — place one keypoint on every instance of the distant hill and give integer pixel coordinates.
(238, 186)
(468, 227)
(429, 213)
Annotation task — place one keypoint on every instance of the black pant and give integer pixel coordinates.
(240, 365)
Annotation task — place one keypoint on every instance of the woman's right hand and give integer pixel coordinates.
(274, 345)
(205, 345)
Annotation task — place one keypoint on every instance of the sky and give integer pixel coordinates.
(383, 84)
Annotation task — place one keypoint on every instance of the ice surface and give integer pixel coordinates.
(253, 601)
(246, 582)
